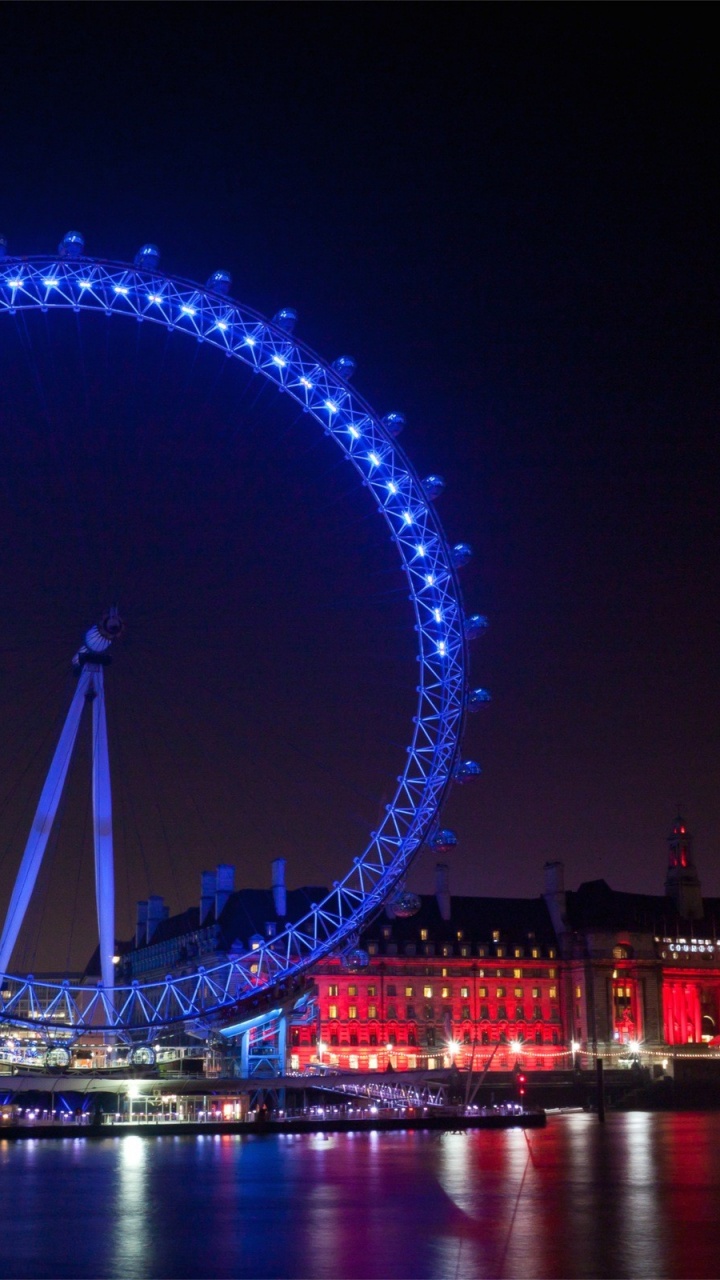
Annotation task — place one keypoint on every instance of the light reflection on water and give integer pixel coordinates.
(636, 1197)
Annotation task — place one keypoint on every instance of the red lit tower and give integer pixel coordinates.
(682, 883)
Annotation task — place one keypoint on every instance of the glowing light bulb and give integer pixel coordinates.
(120, 288)
(374, 459)
(407, 517)
(305, 382)
(330, 404)
(278, 360)
(187, 310)
(354, 432)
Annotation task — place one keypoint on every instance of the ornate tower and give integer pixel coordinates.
(681, 882)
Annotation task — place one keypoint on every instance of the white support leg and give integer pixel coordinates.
(102, 828)
(43, 821)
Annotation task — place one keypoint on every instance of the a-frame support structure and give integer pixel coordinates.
(88, 662)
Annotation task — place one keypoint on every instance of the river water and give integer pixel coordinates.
(639, 1196)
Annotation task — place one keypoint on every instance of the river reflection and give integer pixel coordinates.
(636, 1197)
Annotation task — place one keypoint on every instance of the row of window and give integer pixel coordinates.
(518, 952)
(446, 992)
(430, 1036)
(430, 1014)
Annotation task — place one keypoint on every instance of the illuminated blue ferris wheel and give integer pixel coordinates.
(207, 314)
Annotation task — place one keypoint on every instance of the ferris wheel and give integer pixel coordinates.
(139, 291)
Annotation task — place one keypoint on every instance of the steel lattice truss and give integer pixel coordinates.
(208, 315)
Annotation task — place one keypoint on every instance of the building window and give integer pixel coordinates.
(372, 991)
(386, 932)
(485, 1037)
(518, 952)
(423, 935)
(412, 1038)
(465, 951)
(481, 973)
(537, 1011)
(352, 990)
(484, 1011)
(536, 993)
(500, 951)
(430, 1037)
(332, 1011)
(372, 948)
(552, 953)
(353, 1038)
(429, 1014)
(352, 1011)
(535, 953)
(373, 1062)
(620, 953)
(466, 1037)
(578, 993)
(517, 973)
(465, 1012)
(464, 993)
(445, 993)
(391, 989)
(409, 993)
(552, 993)
(353, 1062)
(410, 1013)
(538, 1035)
(503, 1037)
(372, 1038)
(447, 949)
(295, 1036)
(333, 989)
(499, 992)
(372, 1011)
(518, 993)
(391, 1011)
(496, 935)
(334, 1038)
(482, 992)
(502, 1013)
(427, 992)
(482, 951)
(552, 973)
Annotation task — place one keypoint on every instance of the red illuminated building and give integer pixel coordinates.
(446, 979)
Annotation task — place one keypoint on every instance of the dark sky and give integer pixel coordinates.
(508, 215)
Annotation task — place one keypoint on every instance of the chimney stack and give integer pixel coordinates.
(554, 896)
(207, 895)
(141, 924)
(278, 887)
(442, 889)
(224, 885)
(156, 911)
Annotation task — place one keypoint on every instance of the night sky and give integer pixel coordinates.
(508, 215)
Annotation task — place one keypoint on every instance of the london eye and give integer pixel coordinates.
(140, 292)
